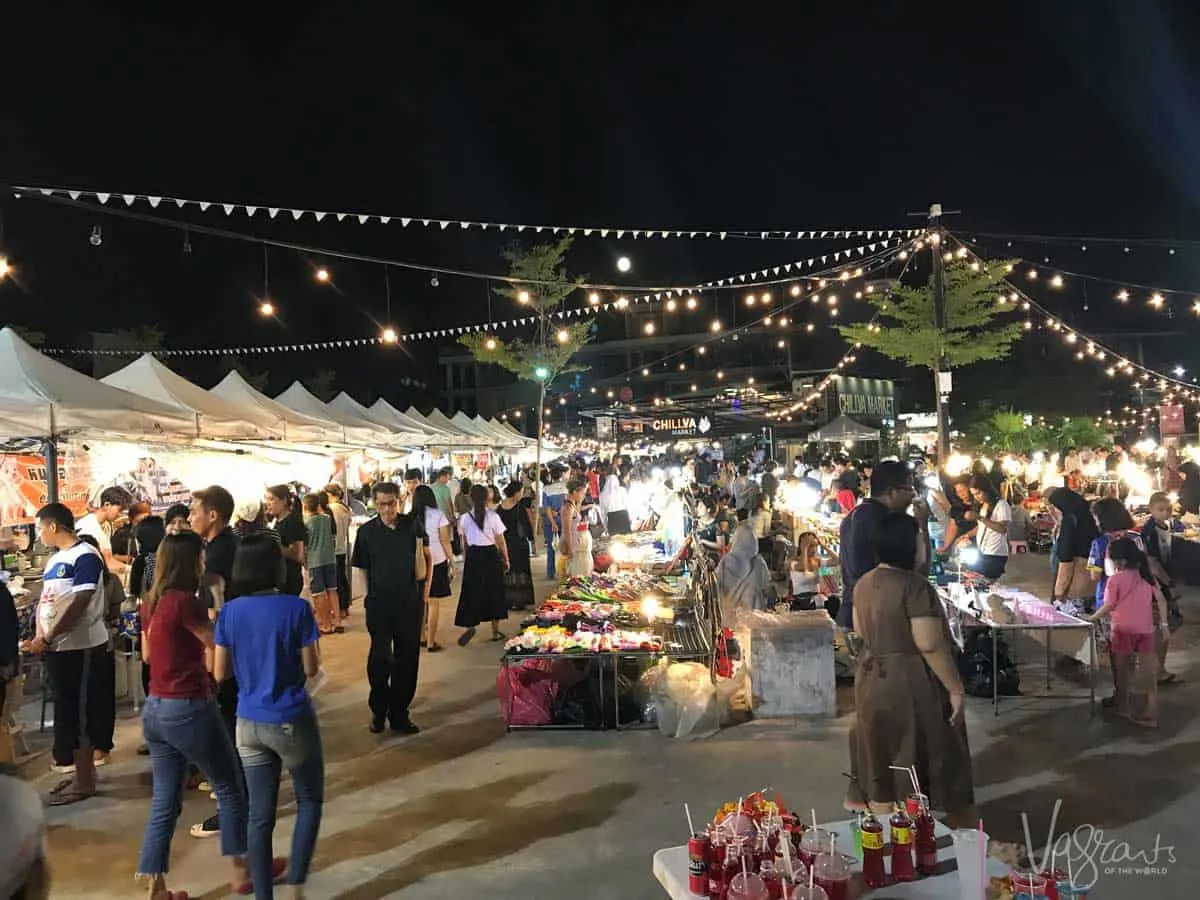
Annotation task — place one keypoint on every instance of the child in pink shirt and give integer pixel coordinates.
(1129, 596)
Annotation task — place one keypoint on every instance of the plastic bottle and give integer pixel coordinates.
(926, 843)
(901, 827)
(872, 852)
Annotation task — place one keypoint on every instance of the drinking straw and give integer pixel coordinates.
(1070, 871)
(912, 776)
(916, 781)
(982, 855)
(687, 812)
(814, 818)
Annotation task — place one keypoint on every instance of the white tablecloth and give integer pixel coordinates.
(671, 869)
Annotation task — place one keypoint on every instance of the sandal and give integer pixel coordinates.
(466, 637)
(1168, 678)
(499, 636)
(278, 874)
(66, 793)
(433, 648)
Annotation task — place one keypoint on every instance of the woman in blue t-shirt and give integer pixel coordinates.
(268, 641)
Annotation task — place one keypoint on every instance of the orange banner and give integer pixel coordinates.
(23, 485)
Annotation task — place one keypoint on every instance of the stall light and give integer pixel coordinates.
(562, 401)
(322, 274)
(563, 335)
(781, 344)
(765, 299)
(810, 327)
(751, 299)
(767, 320)
(610, 395)
(833, 299)
(683, 367)
(716, 325)
(692, 302)
(648, 328)
(701, 349)
(1157, 300)
(694, 387)
(389, 335)
(591, 390)
(490, 343)
(845, 276)
(266, 308)
(795, 290)
(1123, 295)
(672, 305)
(720, 375)
(903, 254)
(594, 298)
(783, 321)
(1056, 281)
(523, 296)
(645, 372)
(961, 252)
(622, 303)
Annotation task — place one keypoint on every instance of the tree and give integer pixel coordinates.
(1082, 432)
(540, 283)
(1002, 430)
(908, 329)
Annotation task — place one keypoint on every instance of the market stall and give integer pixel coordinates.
(971, 610)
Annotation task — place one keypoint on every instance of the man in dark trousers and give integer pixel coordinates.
(386, 550)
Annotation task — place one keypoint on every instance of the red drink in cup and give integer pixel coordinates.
(833, 874)
(814, 842)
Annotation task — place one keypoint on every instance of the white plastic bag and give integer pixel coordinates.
(686, 700)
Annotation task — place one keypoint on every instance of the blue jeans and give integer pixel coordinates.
(178, 732)
(550, 539)
(265, 748)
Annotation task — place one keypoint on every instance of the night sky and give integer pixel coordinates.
(1063, 118)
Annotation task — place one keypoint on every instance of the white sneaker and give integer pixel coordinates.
(63, 770)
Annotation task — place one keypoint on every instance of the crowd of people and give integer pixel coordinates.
(236, 601)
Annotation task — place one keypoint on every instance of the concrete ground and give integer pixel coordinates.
(465, 810)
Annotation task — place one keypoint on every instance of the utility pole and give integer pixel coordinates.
(941, 378)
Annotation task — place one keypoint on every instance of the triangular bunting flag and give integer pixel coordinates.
(362, 220)
(204, 206)
(722, 235)
(319, 216)
(129, 198)
(464, 225)
(776, 270)
(103, 198)
(341, 216)
(154, 201)
(228, 207)
(404, 222)
(603, 232)
(272, 212)
(787, 267)
(74, 195)
(297, 213)
(251, 210)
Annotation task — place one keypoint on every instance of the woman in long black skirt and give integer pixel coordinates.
(515, 513)
(482, 595)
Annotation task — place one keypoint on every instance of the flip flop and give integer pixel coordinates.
(64, 795)
(498, 636)
(466, 637)
(1168, 678)
(278, 874)
(434, 648)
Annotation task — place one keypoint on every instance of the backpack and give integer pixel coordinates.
(112, 596)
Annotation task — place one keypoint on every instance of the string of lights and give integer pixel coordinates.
(1056, 276)
(389, 335)
(1084, 241)
(1115, 364)
(441, 224)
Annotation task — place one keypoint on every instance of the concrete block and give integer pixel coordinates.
(791, 664)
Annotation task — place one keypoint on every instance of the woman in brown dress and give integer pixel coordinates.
(907, 691)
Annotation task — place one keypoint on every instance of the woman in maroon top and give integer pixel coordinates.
(180, 721)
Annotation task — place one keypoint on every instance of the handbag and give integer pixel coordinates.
(419, 568)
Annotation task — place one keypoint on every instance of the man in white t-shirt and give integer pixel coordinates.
(72, 633)
(993, 517)
(100, 524)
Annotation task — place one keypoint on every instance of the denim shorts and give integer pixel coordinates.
(322, 578)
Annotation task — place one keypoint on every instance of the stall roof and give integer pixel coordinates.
(400, 435)
(843, 428)
(387, 413)
(355, 430)
(507, 427)
(214, 416)
(457, 435)
(505, 438)
(463, 422)
(41, 397)
(296, 426)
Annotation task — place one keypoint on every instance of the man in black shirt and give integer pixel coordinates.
(385, 549)
(289, 525)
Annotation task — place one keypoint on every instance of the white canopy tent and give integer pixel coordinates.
(507, 427)
(355, 430)
(464, 423)
(40, 397)
(499, 435)
(385, 412)
(343, 403)
(458, 436)
(296, 427)
(214, 416)
(843, 428)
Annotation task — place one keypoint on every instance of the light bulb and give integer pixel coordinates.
(645, 373)
(767, 320)
(1156, 300)
(5, 268)
(266, 308)
(692, 302)
(563, 335)
(781, 344)
(765, 298)
(1032, 275)
(716, 325)
(523, 297)
(795, 291)
(322, 274)
(562, 401)
(649, 328)
(490, 343)
(622, 303)
(783, 321)
(904, 254)
(389, 335)
(750, 299)
(1123, 295)
(810, 327)
(1056, 281)
(683, 367)
(701, 349)
(671, 305)
(623, 264)
(694, 387)
(720, 376)
(594, 298)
